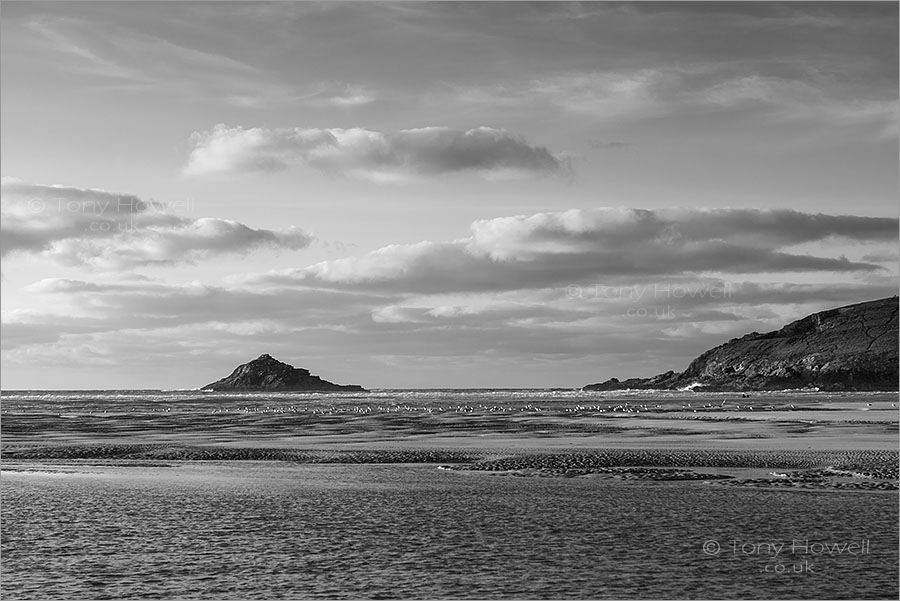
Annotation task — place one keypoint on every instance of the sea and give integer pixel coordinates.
(104, 525)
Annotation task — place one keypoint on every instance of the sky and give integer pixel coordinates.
(425, 195)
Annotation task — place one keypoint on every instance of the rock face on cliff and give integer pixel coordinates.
(849, 348)
(266, 373)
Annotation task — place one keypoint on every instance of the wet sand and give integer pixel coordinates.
(863, 470)
(841, 443)
(839, 427)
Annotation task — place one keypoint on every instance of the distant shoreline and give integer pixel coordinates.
(647, 391)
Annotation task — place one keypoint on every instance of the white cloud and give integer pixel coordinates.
(662, 285)
(143, 322)
(100, 229)
(371, 155)
(551, 249)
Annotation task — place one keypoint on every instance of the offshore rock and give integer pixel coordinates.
(266, 373)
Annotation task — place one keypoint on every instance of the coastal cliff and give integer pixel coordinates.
(848, 348)
(266, 373)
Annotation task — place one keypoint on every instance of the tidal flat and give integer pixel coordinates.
(507, 494)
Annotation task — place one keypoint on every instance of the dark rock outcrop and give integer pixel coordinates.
(849, 348)
(266, 373)
(658, 382)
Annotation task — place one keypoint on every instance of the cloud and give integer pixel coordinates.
(796, 100)
(343, 95)
(887, 257)
(152, 302)
(551, 249)
(327, 94)
(659, 286)
(96, 228)
(133, 57)
(810, 65)
(612, 144)
(370, 155)
(75, 309)
(616, 96)
(211, 328)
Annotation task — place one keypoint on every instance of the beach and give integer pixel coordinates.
(839, 440)
(448, 494)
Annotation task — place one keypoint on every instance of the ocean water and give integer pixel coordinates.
(114, 528)
(258, 530)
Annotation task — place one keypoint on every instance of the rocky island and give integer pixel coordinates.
(265, 373)
(852, 348)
